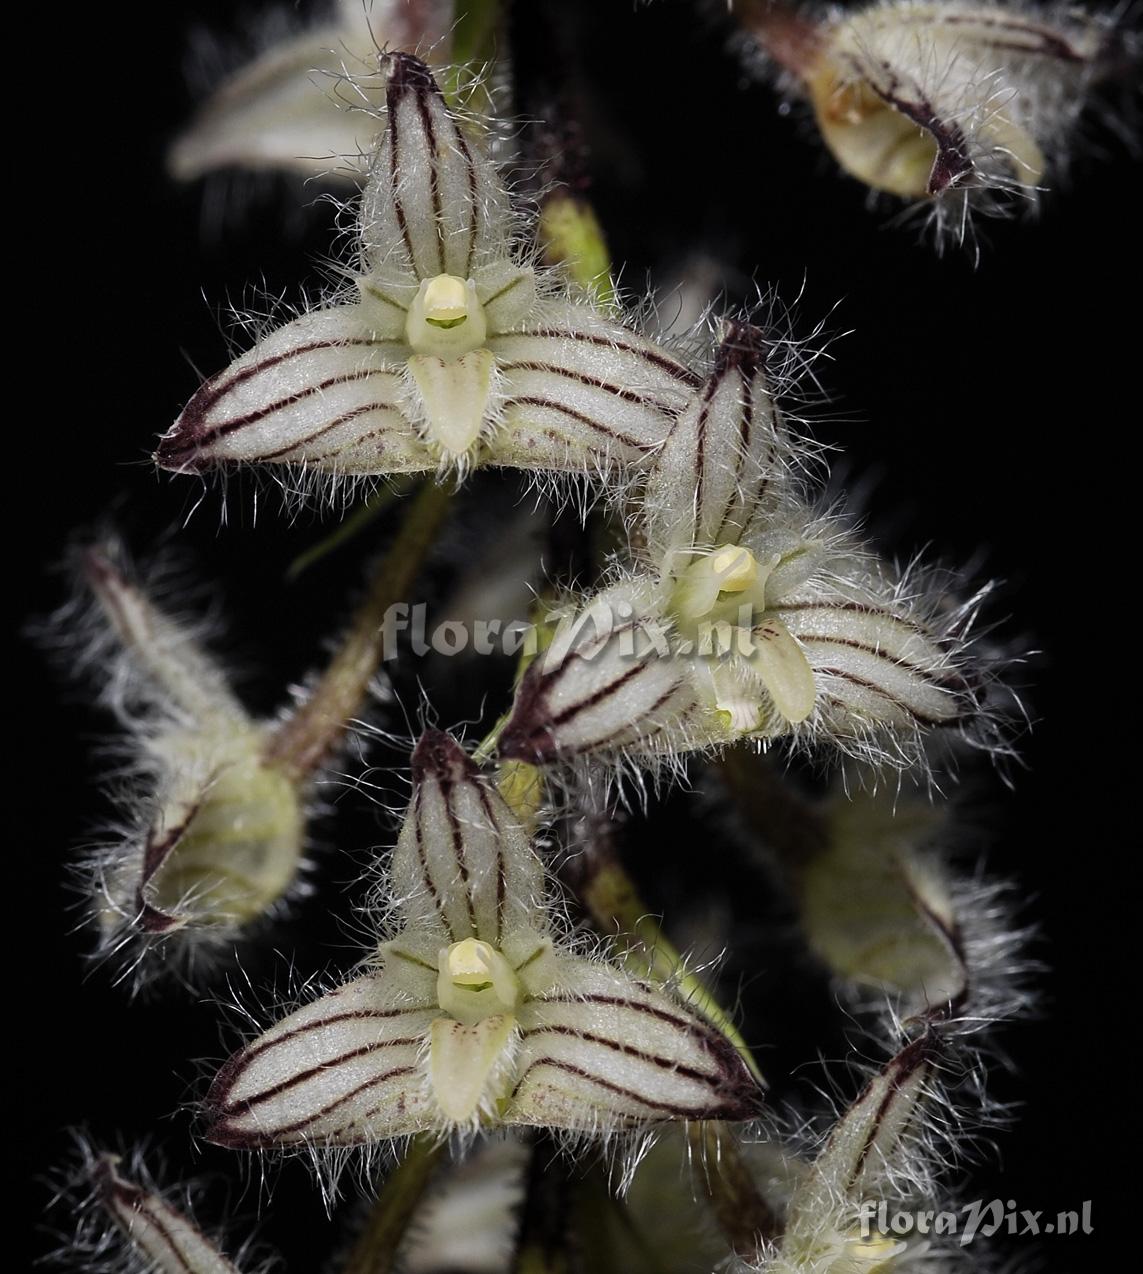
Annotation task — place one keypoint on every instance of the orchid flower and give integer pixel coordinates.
(473, 1013)
(452, 350)
(873, 1152)
(148, 1231)
(744, 616)
(307, 104)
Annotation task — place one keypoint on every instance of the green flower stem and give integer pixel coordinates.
(349, 527)
(613, 902)
(477, 37)
(304, 739)
(572, 237)
(520, 784)
(743, 1215)
(375, 1251)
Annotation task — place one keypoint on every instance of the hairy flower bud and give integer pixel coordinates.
(127, 1223)
(878, 909)
(872, 1153)
(220, 829)
(964, 107)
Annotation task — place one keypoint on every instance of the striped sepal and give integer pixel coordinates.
(609, 1051)
(344, 1070)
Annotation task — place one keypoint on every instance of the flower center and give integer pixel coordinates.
(753, 665)
(446, 319)
(475, 982)
(726, 586)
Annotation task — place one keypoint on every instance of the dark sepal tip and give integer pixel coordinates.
(742, 346)
(439, 754)
(407, 74)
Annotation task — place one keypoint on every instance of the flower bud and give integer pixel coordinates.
(219, 829)
(960, 107)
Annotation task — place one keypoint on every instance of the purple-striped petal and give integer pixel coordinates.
(324, 392)
(158, 1233)
(610, 683)
(433, 204)
(583, 393)
(876, 669)
(463, 866)
(926, 100)
(720, 467)
(344, 1070)
(602, 1050)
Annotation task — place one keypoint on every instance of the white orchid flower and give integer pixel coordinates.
(473, 1013)
(307, 104)
(744, 617)
(150, 1232)
(451, 352)
(874, 1153)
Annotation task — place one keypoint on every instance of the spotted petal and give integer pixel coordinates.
(323, 391)
(602, 1050)
(344, 1070)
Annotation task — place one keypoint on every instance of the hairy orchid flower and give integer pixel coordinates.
(147, 1231)
(472, 1013)
(219, 833)
(744, 617)
(452, 351)
(962, 106)
(307, 104)
(875, 1152)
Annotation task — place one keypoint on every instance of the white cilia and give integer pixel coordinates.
(473, 1013)
(875, 1153)
(743, 616)
(963, 107)
(450, 350)
(217, 839)
(307, 104)
(150, 1232)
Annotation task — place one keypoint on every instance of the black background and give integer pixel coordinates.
(987, 412)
